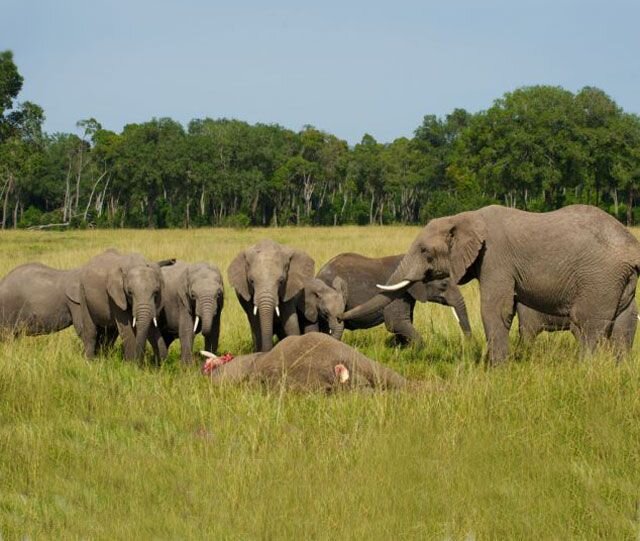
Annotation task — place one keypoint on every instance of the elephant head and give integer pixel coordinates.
(267, 274)
(327, 303)
(446, 247)
(137, 289)
(201, 292)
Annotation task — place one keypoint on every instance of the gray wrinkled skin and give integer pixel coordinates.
(36, 299)
(355, 276)
(114, 288)
(576, 262)
(307, 363)
(531, 323)
(191, 290)
(269, 278)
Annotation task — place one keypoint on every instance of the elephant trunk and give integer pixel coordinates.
(460, 312)
(207, 310)
(266, 308)
(143, 314)
(336, 328)
(407, 272)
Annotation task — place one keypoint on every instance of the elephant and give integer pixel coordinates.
(36, 299)
(355, 277)
(193, 298)
(321, 305)
(310, 362)
(576, 262)
(269, 279)
(121, 294)
(531, 323)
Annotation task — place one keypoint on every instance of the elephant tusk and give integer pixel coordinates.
(394, 287)
(134, 322)
(255, 309)
(155, 322)
(330, 331)
(277, 311)
(195, 325)
(638, 316)
(455, 314)
(208, 354)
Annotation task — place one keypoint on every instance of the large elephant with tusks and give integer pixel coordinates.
(577, 262)
(269, 280)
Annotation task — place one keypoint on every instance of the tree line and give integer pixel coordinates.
(536, 148)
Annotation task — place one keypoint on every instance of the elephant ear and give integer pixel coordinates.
(466, 238)
(340, 285)
(184, 290)
(301, 268)
(115, 288)
(161, 293)
(237, 273)
(310, 305)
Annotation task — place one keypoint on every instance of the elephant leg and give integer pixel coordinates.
(160, 348)
(528, 325)
(186, 335)
(106, 338)
(289, 319)
(89, 334)
(254, 323)
(624, 329)
(76, 317)
(211, 340)
(398, 319)
(128, 341)
(497, 307)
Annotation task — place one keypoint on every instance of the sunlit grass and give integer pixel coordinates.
(547, 447)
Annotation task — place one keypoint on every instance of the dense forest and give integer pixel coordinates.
(536, 148)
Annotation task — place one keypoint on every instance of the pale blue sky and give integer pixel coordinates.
(345, 67)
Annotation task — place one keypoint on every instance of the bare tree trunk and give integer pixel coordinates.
(77, 199)
(15, 213)
(86, 210)
(66, 208)
(5, 205)
(371, 217)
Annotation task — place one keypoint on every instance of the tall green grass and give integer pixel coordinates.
(547, 447)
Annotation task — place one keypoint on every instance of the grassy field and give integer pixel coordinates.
(547, 447)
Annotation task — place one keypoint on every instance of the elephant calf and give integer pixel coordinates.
(36, 299)
(355, 277)
(193, 298)
(311, 362)
(531, 323)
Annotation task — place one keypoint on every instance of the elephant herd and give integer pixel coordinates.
(571, 269)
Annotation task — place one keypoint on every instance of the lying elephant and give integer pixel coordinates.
(311, 362)
(36, 299)
(531, 323)
(355, 276)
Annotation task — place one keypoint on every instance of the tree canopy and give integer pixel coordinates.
(536, 148)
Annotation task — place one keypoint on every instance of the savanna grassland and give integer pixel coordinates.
(547, 447)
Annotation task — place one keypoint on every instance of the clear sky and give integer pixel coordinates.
(345, 67)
